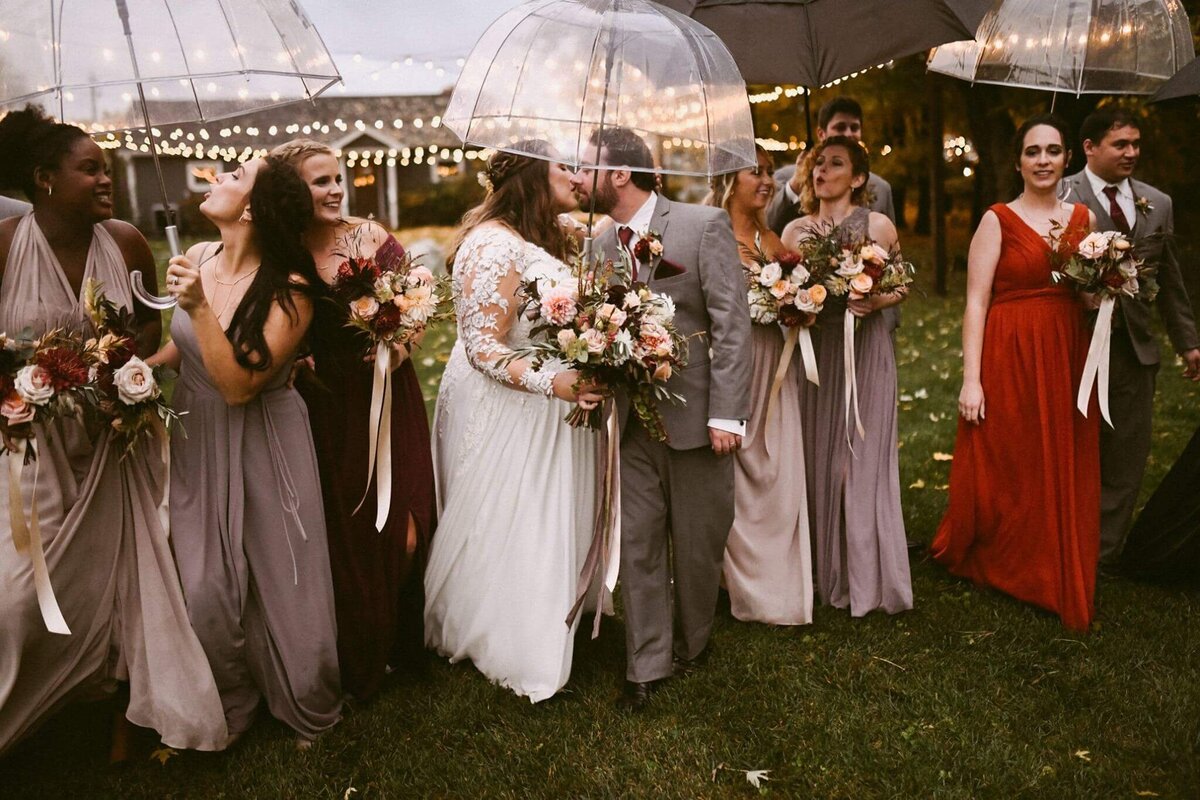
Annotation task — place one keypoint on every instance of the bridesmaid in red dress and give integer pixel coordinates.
(377, 576)
(1024, 513)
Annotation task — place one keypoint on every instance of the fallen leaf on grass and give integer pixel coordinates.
(755, 777)
(163, 755)
(943, 456)
(919, 483)
(348, 792)
(1146, 793)
(1083, 755)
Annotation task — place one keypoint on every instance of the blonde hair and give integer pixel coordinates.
(720, 191)
(297, 151)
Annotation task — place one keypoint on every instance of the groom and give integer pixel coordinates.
(677, 497)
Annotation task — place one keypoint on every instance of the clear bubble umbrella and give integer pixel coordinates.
(1074, 46)
(556, 70)
(112, 65)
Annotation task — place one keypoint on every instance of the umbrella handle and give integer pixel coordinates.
(135, 278)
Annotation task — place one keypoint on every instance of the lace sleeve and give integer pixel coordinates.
(489, 264)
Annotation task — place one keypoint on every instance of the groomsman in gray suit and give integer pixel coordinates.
(677, 497)
(12, 208)
(1112, 142)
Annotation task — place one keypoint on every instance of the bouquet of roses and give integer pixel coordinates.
(1103, 263)
(392, 302)
(614, 331)
(864, 269)
(123, 390)
(40, 380)
(787, 289)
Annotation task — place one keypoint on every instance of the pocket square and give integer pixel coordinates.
(668, 269)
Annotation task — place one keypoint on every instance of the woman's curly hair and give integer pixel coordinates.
(29, 141)
(860, 164)
(280, 206)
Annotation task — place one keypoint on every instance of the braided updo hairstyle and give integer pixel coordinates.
(30, 140)
(519, 197)
(280, 206)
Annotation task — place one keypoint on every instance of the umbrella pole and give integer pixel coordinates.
(808, 116)
(172, 233)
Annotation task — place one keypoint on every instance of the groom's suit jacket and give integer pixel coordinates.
(710, 310)
(1152, 231)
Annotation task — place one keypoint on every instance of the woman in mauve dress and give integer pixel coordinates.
(377, 574)
(108, 556)
(768, 558)
(854, 495)
(247, 523)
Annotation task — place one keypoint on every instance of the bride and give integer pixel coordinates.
(515, 483)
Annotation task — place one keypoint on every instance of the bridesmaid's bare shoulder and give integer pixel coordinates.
(8, 229)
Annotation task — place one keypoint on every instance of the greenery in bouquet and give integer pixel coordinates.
(788, 288)
(1102, 263)
(41, 380)
(616, 332)
(393, 299)
(124, 391)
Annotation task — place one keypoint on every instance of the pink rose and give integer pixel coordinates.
(663, 372)
(595, 340)
(16, 410)
(419, 275)
(364, 307)
(861, 283)
(614, 316)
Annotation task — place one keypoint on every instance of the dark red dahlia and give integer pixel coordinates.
(788, 259)
(641, 250)
(873, 270)
(66, 367)
(386, 320)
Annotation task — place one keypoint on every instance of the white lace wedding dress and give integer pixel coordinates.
(515, 483)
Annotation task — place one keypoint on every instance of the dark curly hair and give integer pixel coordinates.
(281, 205)
(30, 140)
(520, 199)
(860, 164)
(624, 148)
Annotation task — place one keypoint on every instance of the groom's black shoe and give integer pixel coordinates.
(637, 695)
(686, 666)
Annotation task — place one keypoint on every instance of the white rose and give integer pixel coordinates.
(1094, 245)
(135, 382)
(364, 307)
(1128, 269)
(770, 274)
(799, 275)
(850, 266)
(383, 290)
(33, 384)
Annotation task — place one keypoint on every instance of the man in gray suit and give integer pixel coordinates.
(677, 497)
(841, 116)
(1112, 142)
(13, 208)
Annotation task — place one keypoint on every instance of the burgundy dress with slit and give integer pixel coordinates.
(378, 586)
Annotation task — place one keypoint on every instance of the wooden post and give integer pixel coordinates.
(937, 182)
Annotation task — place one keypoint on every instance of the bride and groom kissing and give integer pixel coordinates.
(517, 485)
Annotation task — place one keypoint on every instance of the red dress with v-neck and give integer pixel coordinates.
(1024, 514)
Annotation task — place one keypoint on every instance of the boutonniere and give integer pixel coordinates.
(648, 246)
(1143, 205)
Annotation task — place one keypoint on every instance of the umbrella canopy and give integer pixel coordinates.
(197, 60)
(815, 42)
(1075, 46)
(1184, 83)
(556, 70)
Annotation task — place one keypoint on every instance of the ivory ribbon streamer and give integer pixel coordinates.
(380, 456)
(1095, 369)
(803, 337)
(850, 382)
(604, 555)
(28, 539)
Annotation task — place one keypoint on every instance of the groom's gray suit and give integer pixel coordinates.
(1134, 358)
(677, 498)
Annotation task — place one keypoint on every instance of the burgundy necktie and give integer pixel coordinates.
(1114, 210)
(625, 234)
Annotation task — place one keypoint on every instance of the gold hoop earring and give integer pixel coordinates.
(49, 191)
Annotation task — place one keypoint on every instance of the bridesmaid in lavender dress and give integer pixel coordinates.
(108, 556)
(248, 527)
(861, 553)
(768, 558)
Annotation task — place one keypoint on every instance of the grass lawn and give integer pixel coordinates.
(971, 695)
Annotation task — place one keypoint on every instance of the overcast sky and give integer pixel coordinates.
(384, 33)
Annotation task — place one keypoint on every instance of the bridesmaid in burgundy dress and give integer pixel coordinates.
(377, 576)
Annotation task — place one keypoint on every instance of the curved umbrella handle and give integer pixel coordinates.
(139, 290)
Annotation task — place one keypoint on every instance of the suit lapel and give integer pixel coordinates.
(1083, 190)
(658, 224)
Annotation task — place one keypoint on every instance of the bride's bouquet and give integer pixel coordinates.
(1101, 263)
(124, 390)
(614, 331)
